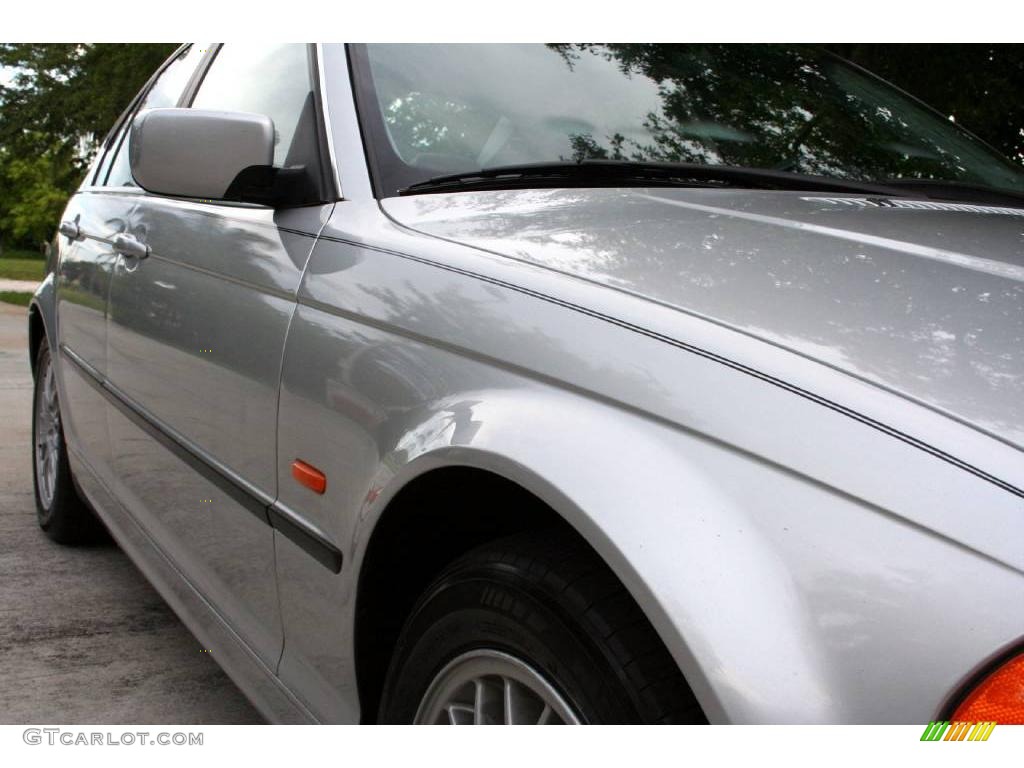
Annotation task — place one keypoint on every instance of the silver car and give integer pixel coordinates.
(549, 384)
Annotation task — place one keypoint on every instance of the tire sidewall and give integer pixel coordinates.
(493, 608)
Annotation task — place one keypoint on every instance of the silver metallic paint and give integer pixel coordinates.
(197, 152)
(179, 344)
(927, 303)
(752, 459)
(731, 497)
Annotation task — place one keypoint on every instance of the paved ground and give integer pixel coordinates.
(23, 286)
(83, 637)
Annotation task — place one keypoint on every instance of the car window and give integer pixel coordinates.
(432, 110)
(271, 80)
(165, 92)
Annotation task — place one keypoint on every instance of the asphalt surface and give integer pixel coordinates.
(83, 637)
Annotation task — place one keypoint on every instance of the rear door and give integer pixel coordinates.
(195, 335)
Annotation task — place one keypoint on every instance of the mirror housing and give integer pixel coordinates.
(204, 154)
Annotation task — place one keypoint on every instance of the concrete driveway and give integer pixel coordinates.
(19, 286)
(83, 637)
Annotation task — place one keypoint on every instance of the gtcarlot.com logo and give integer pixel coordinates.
(74, 738)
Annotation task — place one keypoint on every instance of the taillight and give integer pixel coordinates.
(999, 697)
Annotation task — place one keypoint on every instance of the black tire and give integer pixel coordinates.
(549, 601)
(67, 520)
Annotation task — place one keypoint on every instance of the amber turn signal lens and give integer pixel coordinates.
(309, 476)
(998, 698)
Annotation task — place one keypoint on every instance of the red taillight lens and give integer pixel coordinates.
(999, 697)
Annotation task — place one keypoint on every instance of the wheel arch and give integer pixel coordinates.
(661, 508)
(40, 319)
(412, 531)
(36, 334)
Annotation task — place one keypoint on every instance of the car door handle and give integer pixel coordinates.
(70, 230)
(128, 245)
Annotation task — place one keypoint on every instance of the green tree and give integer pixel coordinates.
(35, 188)
(61, 101)
(980, 85)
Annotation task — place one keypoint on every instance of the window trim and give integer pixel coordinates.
(188, 93)
(328, 160)
(329, 172)
(329, 179)
(117, 151)
(115, 129)
(371, 123)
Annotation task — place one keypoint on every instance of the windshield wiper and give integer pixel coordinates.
(619, 173)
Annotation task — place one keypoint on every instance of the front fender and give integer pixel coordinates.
(800, 561)
(781, 599)
(676, 537)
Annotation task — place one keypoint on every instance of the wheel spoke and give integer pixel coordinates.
(510, 718)
(488, 702)
(47, 433)
(522, 705)
(45, 479)
(459, 714)
(478, 704)
(490, 687)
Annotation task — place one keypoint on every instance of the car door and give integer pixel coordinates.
(85, 264)
(200, 303)
(82, 283)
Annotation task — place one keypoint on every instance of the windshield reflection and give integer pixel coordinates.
(441, 109)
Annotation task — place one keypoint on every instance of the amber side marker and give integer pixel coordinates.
(309, 476)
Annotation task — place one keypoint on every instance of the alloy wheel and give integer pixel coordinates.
(489, 687)
(47, 435)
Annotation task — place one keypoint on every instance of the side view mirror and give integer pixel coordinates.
(204, 154)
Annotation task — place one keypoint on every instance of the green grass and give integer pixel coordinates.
(21, 253)
(15, 297)
(22, 268)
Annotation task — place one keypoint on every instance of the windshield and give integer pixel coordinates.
(431, 110)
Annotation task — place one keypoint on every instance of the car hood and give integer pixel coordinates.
(925, 299)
